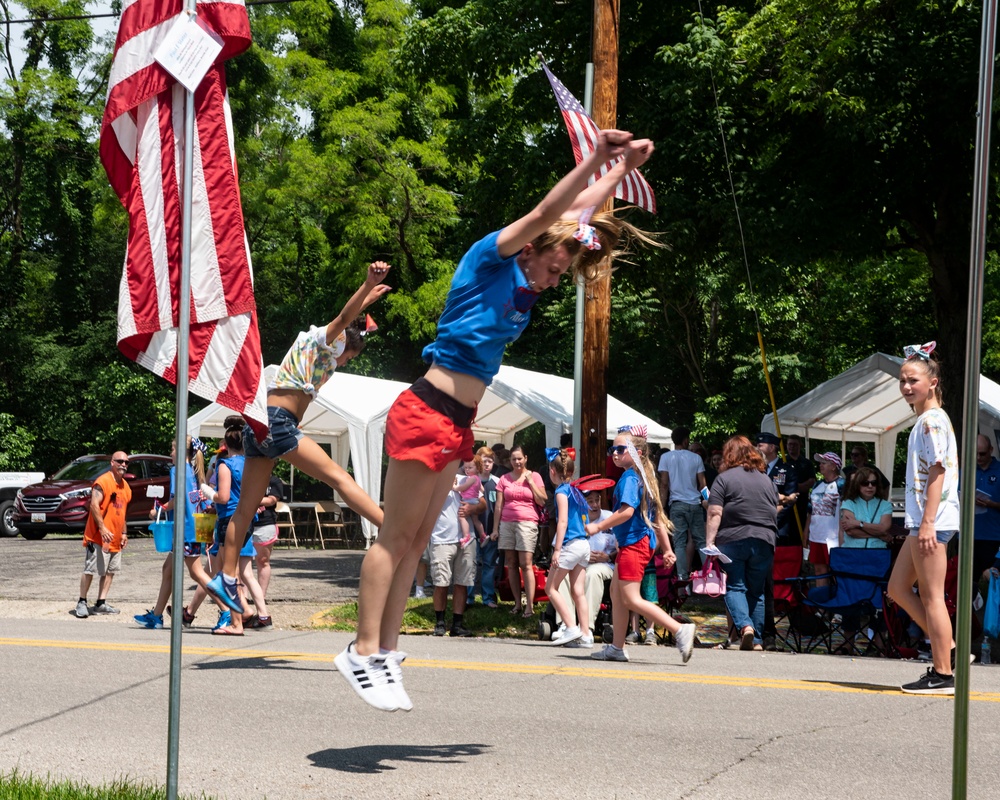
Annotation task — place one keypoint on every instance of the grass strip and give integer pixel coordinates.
(16, 785)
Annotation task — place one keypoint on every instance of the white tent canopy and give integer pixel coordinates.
(548, 399)
(349, 414)
(863, 404)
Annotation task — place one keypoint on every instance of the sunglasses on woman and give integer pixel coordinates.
(869, 483)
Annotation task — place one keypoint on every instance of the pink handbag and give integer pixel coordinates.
(710, 580)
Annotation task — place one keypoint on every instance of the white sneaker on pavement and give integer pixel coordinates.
(568, 635)
(685, 641)
(369, 677)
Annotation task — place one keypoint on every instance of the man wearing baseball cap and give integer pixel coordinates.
(783, 476)
(823, 520)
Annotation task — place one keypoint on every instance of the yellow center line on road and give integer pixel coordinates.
(621, 674)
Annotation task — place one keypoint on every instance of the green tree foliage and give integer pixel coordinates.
(406, 130)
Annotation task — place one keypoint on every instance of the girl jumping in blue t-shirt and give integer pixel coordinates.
(428, 430)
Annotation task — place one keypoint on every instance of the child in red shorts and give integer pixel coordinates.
(428, 429)
(640, 526)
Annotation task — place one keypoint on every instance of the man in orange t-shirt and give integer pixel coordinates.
(105, 536)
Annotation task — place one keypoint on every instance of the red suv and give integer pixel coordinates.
(59, 504)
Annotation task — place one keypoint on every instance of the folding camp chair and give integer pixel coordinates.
(786, 574)
(857, 581)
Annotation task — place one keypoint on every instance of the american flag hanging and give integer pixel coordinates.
(583, 135)
(142, 145)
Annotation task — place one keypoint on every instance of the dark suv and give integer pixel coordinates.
(59, 504)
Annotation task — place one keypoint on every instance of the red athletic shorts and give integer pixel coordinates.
(632, 560)
(417, 431)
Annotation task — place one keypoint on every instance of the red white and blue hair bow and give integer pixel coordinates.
(586, 234)
(921, 351)
(552, 452)
(635, 430)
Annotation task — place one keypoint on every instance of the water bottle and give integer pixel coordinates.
(985, 656)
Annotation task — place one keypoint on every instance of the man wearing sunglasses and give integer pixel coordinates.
(104, 536)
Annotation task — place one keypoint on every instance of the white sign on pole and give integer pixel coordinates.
(188, 50)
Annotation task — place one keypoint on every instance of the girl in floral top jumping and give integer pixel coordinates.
(309, 363)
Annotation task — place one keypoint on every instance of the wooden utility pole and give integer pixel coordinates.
(597, 308)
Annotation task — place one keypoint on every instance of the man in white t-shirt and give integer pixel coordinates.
(682, 478)
(452, 565)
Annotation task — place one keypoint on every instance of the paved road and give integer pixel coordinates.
(492, 719)
(42, 580)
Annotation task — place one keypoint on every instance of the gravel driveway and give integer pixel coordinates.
(42, 579)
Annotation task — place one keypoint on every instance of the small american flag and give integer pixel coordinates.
(583, 135)
(142, 146)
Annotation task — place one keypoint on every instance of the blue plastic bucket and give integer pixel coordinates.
(163, 535)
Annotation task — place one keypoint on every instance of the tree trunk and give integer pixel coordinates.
(949, 286)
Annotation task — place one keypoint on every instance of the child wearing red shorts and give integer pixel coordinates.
(641, 527)
(428, 430)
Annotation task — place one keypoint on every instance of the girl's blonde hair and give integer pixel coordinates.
(615, 234)
(651, 497)
(197, 461)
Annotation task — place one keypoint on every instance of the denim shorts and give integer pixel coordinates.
(943, 537)
(283, 437)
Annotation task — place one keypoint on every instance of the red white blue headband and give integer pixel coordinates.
(635, 430)
(921, 351)
(586, 234)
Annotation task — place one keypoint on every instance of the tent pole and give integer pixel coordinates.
(970, 429)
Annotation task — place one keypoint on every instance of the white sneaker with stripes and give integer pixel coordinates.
(369, 677)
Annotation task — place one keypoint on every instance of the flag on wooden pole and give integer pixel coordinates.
(142, 149)
(583, 134)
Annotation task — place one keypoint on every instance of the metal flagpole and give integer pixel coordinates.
(970, 430)
(581, 298)
(180, 426)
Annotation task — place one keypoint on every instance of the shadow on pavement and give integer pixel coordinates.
(257, 663)
(865, 687)
(370, 759)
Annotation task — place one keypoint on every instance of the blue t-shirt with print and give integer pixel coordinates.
(577, 515)
(488, 306)
(628, 492)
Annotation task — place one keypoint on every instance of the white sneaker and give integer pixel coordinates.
(82, 612)
(568, 635)
(369, 677)
(585, 642)
(685, 641)
(558, 631)
(393, 661)
(610, 653)
(419, 592)
(650, 635)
